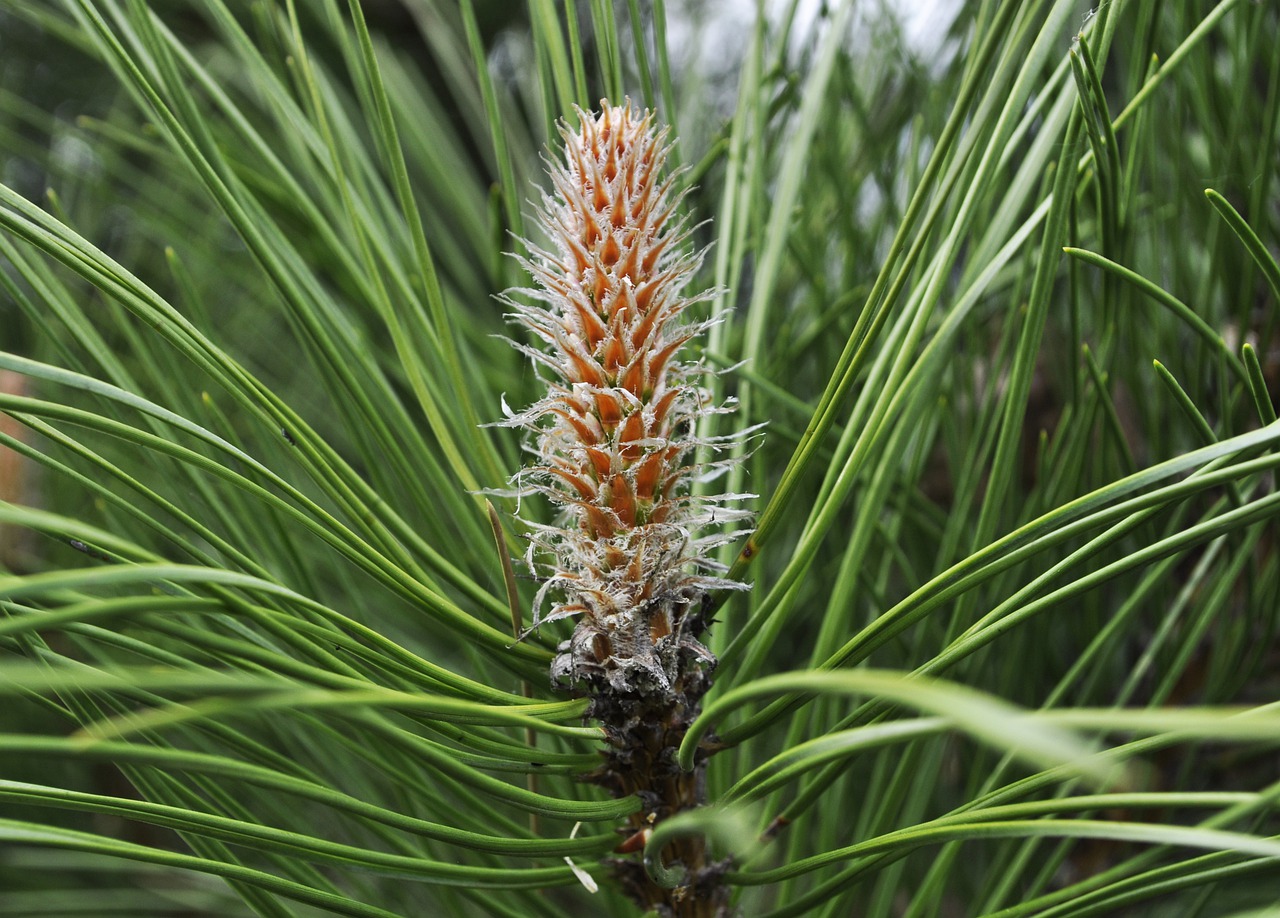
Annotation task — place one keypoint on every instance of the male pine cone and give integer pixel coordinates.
(615, 434)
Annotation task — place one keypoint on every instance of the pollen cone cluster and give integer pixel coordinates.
(614, 436)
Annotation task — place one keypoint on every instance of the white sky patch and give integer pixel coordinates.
(709, 36)
(925, 23)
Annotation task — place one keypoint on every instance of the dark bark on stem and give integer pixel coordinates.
(645, 727)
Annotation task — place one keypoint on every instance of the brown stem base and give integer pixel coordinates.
(645, 730)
